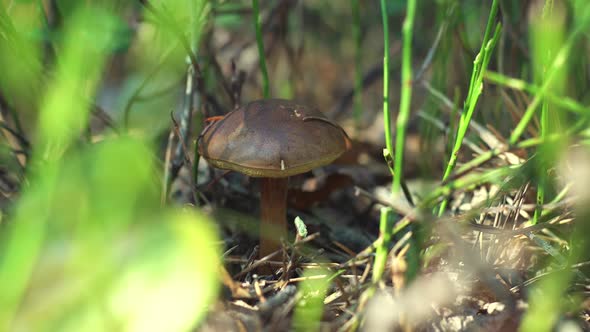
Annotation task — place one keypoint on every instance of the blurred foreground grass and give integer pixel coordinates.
(87, 247)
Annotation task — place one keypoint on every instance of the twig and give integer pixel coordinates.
(183, 134)
(256, 264)
(170, 169)
(239, 260)
(266, 258)
(184, 149)
(226, 86)
(166, 178)
(103, 116)
(237, 81)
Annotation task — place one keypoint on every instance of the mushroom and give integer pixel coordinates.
(272, 139)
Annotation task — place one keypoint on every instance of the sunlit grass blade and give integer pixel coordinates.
(563, 102)
(550, 60)
(310, 304)
(551, 73)
(403, 116)
(386, 62)
(547, 38)
(386, 219)
(382, 247)
(480, 65)
(406, 96)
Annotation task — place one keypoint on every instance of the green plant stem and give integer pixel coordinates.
(386, 220)
(412, 255)
(406, 96)
(541, 185)
(385, 227)
(475, 89)
(197, 126)
(382, 247)
(261, 55)
(386, 115)
(453, 121)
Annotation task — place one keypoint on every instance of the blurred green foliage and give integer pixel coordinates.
(64, 109)
(311, 295)
(87, 246)
(548, 28)
(19, 55)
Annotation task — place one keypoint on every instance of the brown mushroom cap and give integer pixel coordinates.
(272, 138)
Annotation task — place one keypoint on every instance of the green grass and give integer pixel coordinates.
(406, 96)
(382, 248)
(480, 65)
(387, 215)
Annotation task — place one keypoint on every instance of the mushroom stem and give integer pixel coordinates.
(273, 214)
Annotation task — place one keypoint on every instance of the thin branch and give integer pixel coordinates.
(101, 114)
